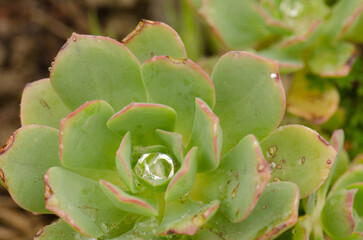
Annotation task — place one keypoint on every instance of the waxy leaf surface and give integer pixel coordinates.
(80, 202)
(85, 140)
(249, 95)
(174, 143)
(298, 154)
(177, 82)
(151, 39)
(41, 105)
(24, 160)
(92, 67)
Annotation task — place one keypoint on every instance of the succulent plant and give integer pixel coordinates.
(307, 37)
(133, 140)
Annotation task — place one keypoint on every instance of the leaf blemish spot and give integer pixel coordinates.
(271, 151)
(263, 207)
(260, 167)
(328, 162)
(323, 140)
(235, 191)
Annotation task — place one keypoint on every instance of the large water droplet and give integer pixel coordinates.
(291, 8)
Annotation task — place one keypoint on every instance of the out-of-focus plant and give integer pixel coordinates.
(133, 140)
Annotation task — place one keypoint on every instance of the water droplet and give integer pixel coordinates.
(52, 63)
(273, 75)
(220, 187)
(74, 39)
(291, 8)
(50, 69)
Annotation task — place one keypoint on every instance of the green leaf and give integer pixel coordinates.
(123, 163)
(177, 82)
(358, 198)
(142, 119)
(183, 180)
(59, 230)
(173, 141)
(238, 182)
(85, 142)
(250, 97)
(337, 214)
(127, 202)
(275, 211)
(24, 160)
(300, 155)
(41, 105)
(154, 39)
(91, 67)
(354, 175)
(207, 136)
(186, 217)
(80, 202)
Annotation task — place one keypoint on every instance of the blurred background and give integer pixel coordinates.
(318, 44)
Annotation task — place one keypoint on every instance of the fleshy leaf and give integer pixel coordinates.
(154, 39)
(250, 97)
(298, 154)
(237, 23)
(313, 104)
(92, 67)
(354, 175)
(358, 198)
(275, 211)
(142, 230)
(238, 182)
(41, 105)
(176, 82)
(186, 217)
(129, 203)
(24, 160)
(142, 119)
(123, 163)
(173, 141)
(59, 230)
(183, 180)
(337, 214)
(84, 131)
(207, 136)
(80, 202)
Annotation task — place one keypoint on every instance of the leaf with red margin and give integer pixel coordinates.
(207, 136)
(250, 96)
(173, 141)
(24, 160)
(337, 214)
(186, 217)
(142, 119)
(176, 82)
(275, 212)
(127, 202)
(183, 180)
(300, 155)
(152, 38)
(238, 182)
(41, 105)
(92, 67)
(123, 163)
(59, 230)
(80, 202)
(85, 142)
(353, 175)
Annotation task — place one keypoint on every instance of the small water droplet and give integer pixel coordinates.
(74, 39)
(291, 8)
(273, 75)
(50, 69)
(272, 165)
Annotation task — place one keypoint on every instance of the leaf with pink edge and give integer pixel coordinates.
(238, 182)
(123, 163)
(92, 67)
(207, 136)
(80, 202)
(298, 154)
(337, 214)
(186, 217)
(127, 202)
(142, 119)
(275, 212)
(354, 175)
(24, 160)
(183, 180)
(154, 39)
(59, 230)
(176, 82)
(250, 96)
(173, 141)
(85, 131)
(358, 198)
(41, 105)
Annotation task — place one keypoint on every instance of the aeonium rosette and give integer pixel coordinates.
(133, 140)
